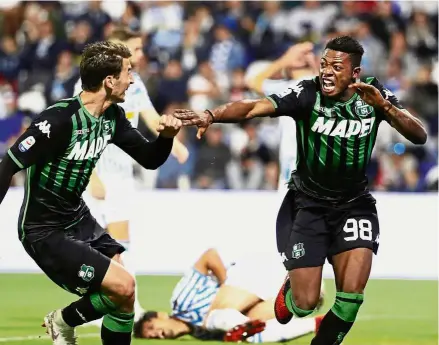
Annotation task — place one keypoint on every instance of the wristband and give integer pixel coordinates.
(211, 114)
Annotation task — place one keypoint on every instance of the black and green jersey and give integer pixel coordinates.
(59, 151)
(334, 139)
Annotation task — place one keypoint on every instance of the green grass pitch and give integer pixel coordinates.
(395, 312)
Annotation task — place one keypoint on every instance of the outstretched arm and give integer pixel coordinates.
(290, 102)
(152, 119)
(150, 155)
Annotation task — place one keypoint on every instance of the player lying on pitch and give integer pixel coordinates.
(214, 300)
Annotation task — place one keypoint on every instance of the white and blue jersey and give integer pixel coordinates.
(193, 296)
(287, 128)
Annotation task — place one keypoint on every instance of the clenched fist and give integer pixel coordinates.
(169, 126)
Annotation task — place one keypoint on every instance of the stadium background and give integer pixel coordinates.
(197, 55)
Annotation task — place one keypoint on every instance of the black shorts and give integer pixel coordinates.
(309, 231)
(76, 258)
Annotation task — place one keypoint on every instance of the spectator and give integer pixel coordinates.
(198, 52)
(64, 79)
(203, 88)
(9, 60)
(212, 158)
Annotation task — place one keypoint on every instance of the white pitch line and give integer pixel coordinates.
(45, 337)
(96, 335)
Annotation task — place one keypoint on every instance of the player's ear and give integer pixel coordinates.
(356, 73)
(109, 82)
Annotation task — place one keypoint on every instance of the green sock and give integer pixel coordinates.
(292, 306)
(339, 320)
(117, 328)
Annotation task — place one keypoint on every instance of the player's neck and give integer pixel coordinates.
(180, 327)
(95, 102)
(346, 96)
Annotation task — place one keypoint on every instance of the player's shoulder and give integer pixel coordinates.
(115, 112)
(371, 81)
(60, 113)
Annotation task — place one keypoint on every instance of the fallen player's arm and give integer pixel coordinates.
(96, 186)
(150, 155)
(7, 170)
(211, 261)
(152, 119)
(405, 123)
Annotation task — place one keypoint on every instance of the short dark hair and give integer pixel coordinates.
(138, 326)
(349, 45)
(99, 60)
(122, 33)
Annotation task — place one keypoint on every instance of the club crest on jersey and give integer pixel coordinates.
(298, 251)
(26, 144)
(86, 272)
(362, 108)
(107, 127)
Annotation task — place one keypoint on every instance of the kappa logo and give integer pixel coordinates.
(283, 257)
(81, 291)
(298, 251)
(87, 273)
(44, 127)
(388, 93)
(297, 89)
(26, 144)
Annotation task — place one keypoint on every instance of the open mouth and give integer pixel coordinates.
(328, 85)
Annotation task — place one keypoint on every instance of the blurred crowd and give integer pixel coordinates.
(197, 55)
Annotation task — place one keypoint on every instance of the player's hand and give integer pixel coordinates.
(169, 126)
(369, 94)
(192, 118)
(295, 56)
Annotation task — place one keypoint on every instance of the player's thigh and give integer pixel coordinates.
(355, 227)
(118, 282)
(302, 235)
(352, 269)
(232, 297)
(71, 263)
(263, 310)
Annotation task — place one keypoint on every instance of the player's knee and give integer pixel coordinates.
(125, 289)
(353, 287)
(306, 301)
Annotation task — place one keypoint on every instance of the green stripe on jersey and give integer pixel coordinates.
(16, 161)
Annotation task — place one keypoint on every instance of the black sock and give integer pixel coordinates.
(339, 320)
(114, 338)
(332, 330)
(80, 312)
